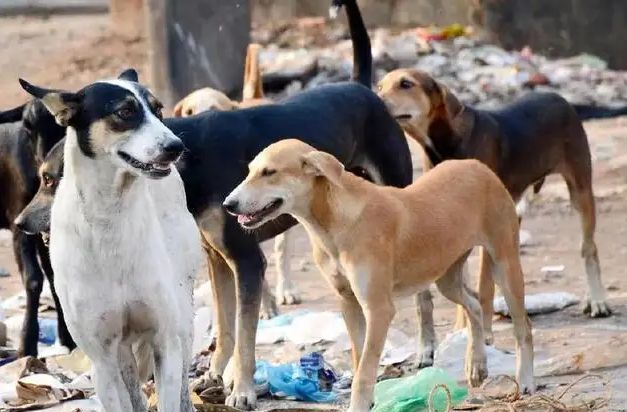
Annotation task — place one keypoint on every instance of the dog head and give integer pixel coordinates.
(35, 217)
(38, 125)
(202, 100)
(281, 180)
(118, 120)
(416, 101)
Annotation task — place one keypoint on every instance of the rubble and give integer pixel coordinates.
(480, 74)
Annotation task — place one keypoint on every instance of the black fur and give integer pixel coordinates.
(362, 54)
(23, 145)
(587, 112)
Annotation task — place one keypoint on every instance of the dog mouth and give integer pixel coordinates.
(403, 117)
(251, 220)
(154, 170)
(45, 236)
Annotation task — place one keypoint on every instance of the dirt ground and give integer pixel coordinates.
(70, 51)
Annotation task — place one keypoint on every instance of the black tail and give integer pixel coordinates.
(587, 112)
(362, 53)
(12, 115)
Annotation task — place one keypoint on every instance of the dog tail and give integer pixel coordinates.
(362, 53)
(12, 115)
(253, 85)
(587, 112)
(144, 358)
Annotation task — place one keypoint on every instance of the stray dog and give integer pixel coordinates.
(35, 217)
(373, 242)
(27, 133)
(205, 99)
(539, 126)
(346, 119)
(119, 223)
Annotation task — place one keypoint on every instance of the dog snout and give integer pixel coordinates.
(171, 150)
(20, 222)
(231, 206)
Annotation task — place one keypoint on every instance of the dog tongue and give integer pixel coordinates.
(242, 219)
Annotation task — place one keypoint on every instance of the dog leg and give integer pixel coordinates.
(460, 315)
(486, 295)
(286, 293)
(168, 374)
(452, 286)
(356, 324)
(130, 377)
(64, 335)
(24, 247)
(508, 274)
(426, 329)
(268, 302)
(223, 289)
(110, 386)
(582, 199)
(248, 285)
(378, 319)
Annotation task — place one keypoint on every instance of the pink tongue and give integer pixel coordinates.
(244, 218)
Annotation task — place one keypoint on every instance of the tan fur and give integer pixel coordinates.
(211, 99)
(373, 243)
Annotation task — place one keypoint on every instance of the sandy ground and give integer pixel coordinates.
(70, 51)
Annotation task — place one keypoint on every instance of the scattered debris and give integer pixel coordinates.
(553, 269)
(413, 392)
(4, 272)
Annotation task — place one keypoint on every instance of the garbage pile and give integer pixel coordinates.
(312, 52)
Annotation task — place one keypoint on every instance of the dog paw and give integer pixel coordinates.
(597, 309)
(287, 295)
(476, 371)
(426, 358)
(242, 398)
(206, 382)
(268, 311)
(527, 388)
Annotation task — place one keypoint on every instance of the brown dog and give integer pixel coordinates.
(538, 135)
(373, 242)
(207, 98)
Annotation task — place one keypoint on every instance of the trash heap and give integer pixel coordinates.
(311, 52)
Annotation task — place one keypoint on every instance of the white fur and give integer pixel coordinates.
(124, 252)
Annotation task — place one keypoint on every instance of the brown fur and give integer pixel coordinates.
(553, 137)
(373, 243)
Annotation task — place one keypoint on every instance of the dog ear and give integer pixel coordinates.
(62, 105)
(322, 164)
(129, 75)
(451, 103)
(178, 109)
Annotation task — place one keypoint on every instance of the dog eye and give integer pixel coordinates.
(125, 113)
(48, 180)
(406, 84)
(267, 172)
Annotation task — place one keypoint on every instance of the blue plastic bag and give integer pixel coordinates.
(290, 380)
(47, 331)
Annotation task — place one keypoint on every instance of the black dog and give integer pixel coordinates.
(27, 133)
(347, 120)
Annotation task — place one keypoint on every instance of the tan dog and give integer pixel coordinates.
(539, 126)
(207, 98)
(373, 242)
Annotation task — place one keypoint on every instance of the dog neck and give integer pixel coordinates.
(99, 184)
(444, 135)
(333, 210)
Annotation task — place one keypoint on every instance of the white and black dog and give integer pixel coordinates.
(124, 247)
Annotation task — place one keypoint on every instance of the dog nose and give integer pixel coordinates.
(231, 206)
(174, 147)
(20, 223)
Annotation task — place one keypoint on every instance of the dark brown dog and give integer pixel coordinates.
(538, 135)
